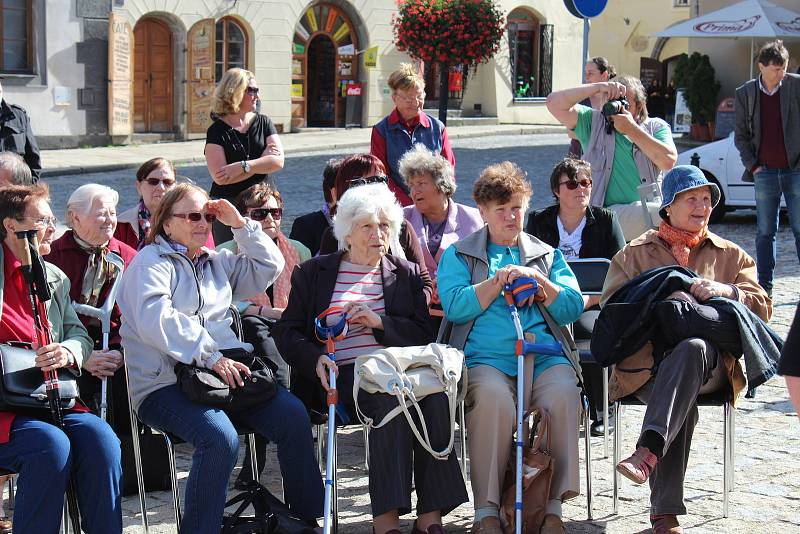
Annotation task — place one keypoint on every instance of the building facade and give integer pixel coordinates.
(93, 72)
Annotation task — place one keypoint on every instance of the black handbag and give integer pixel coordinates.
(22, 384)
(203, 386)
(271, 516)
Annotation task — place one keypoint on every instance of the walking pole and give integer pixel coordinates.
(103, 313)
(516, 293)
(36, 280)
(330, 334)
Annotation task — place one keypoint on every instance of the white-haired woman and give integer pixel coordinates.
(385, 305)
(438, 220)
(242, 146)
(82, 253)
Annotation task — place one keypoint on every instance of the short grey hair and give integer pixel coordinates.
(19, 172)
(419, 161)
(366, 201)
(80, 201)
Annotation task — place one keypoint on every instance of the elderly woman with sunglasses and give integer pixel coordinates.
(83, 253)
(242, 145)
(385, 305)
(175, 298)
(153, 179)
(364, 169)
(579, 230)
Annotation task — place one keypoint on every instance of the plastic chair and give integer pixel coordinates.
(719, 398)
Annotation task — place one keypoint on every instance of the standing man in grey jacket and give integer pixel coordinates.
(768, 138)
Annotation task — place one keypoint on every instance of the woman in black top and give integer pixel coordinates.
(242, 146)
(579, 231)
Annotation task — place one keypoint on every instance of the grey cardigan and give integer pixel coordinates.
(600, 155)
(176, 310)
(747, 136)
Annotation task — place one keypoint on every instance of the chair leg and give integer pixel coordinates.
(605, 412)
(462, 426)
(320, 446)
(252, 457)
(617, 444)
(365, 431)
(65, 525)
(726, 457)
(176, 500)
(588, 446)
(137, 460)
(11, 490)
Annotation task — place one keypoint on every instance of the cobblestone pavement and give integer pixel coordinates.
(767, 489)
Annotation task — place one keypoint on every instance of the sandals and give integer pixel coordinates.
(638, 467)
(665, 524)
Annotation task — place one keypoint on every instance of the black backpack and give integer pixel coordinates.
(271, 515)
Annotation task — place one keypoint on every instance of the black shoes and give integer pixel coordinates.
(597, 427)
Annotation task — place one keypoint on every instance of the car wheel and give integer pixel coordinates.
(718, 213)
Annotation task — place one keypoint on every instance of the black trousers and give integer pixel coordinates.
(394, 452)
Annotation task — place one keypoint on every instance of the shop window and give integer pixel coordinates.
(530, 54)
(15, 36)
(231, 43)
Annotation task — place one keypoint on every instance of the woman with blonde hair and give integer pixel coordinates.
(242, 145)
(406, 126)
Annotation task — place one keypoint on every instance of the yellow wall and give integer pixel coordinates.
(626, 29)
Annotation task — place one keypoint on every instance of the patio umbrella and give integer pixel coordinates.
(751, 18)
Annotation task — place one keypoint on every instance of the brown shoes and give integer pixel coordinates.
(487, 525)
(639, 466)
(552, 525)
(665, 524)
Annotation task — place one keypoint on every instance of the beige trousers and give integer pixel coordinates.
(491, 414)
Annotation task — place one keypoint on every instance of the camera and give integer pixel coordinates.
(614, 107)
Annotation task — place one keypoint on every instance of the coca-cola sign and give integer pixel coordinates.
(727, 26)
(791, 26)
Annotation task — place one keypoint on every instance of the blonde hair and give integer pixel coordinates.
(406, 77)
(230, 90)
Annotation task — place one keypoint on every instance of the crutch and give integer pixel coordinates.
(329, 335)
(103, 314)
(517, 293)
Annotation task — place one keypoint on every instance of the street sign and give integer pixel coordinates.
(585, 9)
(371, 57)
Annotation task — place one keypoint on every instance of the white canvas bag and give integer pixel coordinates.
(410, 374)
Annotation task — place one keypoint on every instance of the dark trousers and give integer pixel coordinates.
(394, 452)
(671, 415)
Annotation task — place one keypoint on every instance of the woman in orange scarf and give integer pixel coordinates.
(264, 204)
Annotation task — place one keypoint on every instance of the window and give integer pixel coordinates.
(531, 55)
(231, 47)
(15, 28)
(680, 3)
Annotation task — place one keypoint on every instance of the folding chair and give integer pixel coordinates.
(649, 193)
(718, 398)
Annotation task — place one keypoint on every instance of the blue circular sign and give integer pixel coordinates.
(585, 8)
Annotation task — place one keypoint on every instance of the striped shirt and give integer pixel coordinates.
(362, 284)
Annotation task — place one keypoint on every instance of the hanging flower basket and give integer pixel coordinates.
(450, 32)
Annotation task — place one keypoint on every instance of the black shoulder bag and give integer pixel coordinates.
(22, 383)
(271, 515)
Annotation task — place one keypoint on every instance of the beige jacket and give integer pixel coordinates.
(715, 259)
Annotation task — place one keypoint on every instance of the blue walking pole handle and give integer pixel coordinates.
(551, 349)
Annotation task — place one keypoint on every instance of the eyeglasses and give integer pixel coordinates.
(43, 222)
(364, 180)
(573, 184)
(252, 91)
(259, 214)
(168, 182)
(195, 216)
(410, 99)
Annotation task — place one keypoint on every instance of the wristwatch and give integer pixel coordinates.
(245, 166)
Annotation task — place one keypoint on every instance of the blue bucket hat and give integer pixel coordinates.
(683, 178)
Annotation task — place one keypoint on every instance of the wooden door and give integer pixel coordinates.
(152, 77)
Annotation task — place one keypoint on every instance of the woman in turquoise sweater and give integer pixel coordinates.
(471, 274)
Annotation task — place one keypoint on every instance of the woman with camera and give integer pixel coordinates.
(624, 146)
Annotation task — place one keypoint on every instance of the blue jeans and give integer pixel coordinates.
(283, 420)
(44, 457)
(769, 185)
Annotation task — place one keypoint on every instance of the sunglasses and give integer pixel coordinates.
(573, 184)
(195, 216)
(364, 180)
(259, 214)
(252, 91)
(168, 182)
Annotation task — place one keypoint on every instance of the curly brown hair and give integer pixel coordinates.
(499, 182)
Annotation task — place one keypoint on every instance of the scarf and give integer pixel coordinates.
(282, 285)
(143, 218)
(98, 271)
(681, 242)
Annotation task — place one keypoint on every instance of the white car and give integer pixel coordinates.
(721, 164)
